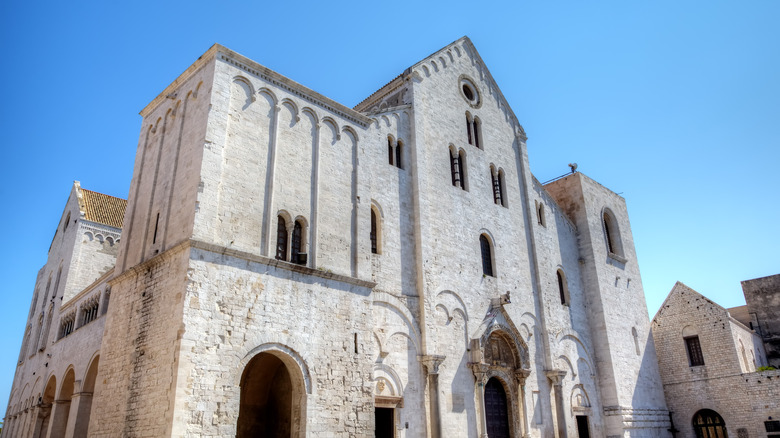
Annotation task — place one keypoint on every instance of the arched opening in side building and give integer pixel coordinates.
(709, 424)
(272, 398)
(496, 409)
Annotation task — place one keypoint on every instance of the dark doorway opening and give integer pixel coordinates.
(266, 399)
(583, 431)
(385, 422)
(496, 409)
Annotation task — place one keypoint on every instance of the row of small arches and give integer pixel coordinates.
(100, 238)
(251, 95)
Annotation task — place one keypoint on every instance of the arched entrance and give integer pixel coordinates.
(270, 399)
(496, 411)
(709, 424)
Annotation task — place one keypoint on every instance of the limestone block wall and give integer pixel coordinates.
(624, 350)
(763, 299)
(95, 250)
(748, 345)
(163, 195)
(139, 353)
(566, 320)
(687, 313)
(390, 192)
(744, 401)
(274, 153)
(238, 305)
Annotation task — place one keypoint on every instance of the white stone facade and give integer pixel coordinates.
(438, 295)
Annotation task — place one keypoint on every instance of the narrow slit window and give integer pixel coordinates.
(477, 133)
(469, 129)
(398, 149)
(374, 227)
(156, 225)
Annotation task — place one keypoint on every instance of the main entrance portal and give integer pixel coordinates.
(496, 409)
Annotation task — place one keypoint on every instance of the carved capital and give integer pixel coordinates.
(431, 362)
(480, 371)
(555, 376)
(520, 375)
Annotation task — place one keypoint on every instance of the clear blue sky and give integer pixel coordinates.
(675, 105)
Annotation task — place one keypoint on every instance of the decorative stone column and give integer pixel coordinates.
(520, 376)
(556, 378)
(480, 373)
(431, 363)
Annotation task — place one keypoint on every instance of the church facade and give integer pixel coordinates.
(289, 266)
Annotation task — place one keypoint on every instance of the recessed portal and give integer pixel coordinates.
(496, 409)
(385, 420)
(583, 431)
(266, 399)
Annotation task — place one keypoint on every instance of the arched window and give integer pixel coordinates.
(501, 187)
(456, 167)
(563, 287)
(709, 424)
(487, 255)
(281, 239)
(540, 213)
(469, 128)
(612, 234)
(398, 148)
(298, 247)
(390, 150)
(374, 232)
(497, 177)
(477, 132)
(462, 170)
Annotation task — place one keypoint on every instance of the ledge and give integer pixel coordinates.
(255, 258)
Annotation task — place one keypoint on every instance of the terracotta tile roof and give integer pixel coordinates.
(104, 209)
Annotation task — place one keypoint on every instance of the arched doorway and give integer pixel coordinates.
(496, 411)
(270, 399)
(709, 424)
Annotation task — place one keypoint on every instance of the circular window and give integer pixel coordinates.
(469, 91)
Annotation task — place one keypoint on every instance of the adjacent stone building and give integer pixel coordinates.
(709, 356)
(290, 266)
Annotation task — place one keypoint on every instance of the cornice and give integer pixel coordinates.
(287, 84)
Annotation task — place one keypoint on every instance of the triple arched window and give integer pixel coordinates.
(291, 241)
